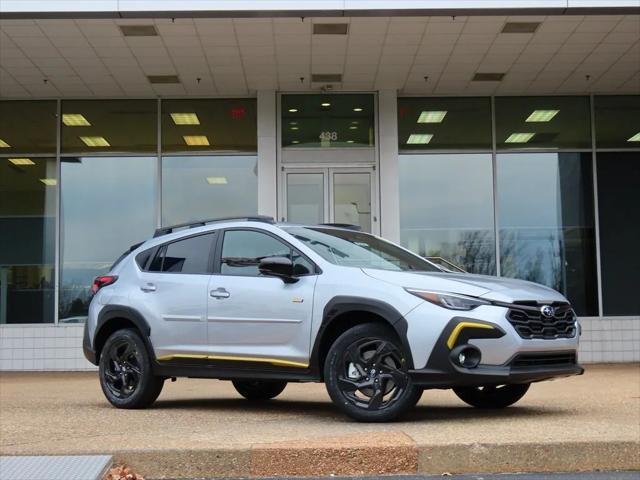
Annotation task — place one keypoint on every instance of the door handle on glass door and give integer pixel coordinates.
(219, 293)
(149, 287)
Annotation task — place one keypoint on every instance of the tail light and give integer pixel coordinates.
(100, 282)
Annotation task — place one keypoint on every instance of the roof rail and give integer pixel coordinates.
(348, 226)
(199, 223)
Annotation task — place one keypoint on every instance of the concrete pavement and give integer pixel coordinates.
(203, 428)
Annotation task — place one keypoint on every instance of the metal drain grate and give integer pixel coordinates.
(54, 467)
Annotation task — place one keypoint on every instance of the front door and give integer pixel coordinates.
(256, 318)
(330, 195)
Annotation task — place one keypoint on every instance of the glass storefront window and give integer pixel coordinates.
(444, 123)
(527, 123)
(28, 189)
(27, 126)
(446, 209)
(114, 126)
(107, 205)
(209, 125)
(198, 187)
(546, 223)
(328, 121)
(617, 121)
(619, 204)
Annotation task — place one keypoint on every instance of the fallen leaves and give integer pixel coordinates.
(122, 472)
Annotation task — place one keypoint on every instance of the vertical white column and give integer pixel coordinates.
(267, 164)
(388, 150)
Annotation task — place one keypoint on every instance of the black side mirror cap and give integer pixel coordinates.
(280, 267)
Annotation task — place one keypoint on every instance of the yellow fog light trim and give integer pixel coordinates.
(272, 361)
(453, 338)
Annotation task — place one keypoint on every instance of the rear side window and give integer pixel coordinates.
(190, 255)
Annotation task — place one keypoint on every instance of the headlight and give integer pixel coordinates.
(452, 301)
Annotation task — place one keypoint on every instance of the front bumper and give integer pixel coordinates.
(489, 375)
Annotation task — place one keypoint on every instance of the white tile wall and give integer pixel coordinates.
(42, 347)
(51, 347)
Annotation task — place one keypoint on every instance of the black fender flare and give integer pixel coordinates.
(344, 304)
(111, 312)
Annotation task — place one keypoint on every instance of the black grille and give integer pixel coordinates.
(527, 360)
(529, 322)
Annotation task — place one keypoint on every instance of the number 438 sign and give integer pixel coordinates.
(333, 136)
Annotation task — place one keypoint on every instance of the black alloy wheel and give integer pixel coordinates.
(126, 376)
(366, 374)
(492, 396)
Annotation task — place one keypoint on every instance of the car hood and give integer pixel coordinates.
(499, 289)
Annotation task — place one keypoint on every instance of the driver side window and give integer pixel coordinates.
(242, 251)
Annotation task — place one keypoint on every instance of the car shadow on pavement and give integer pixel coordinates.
(327, 409)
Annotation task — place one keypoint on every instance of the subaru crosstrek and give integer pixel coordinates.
(263, 304)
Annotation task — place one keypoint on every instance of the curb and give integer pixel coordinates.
(396, 454)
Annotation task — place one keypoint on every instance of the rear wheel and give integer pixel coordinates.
(499, 396)
(366, 374)
(259, 390)
(125, 371)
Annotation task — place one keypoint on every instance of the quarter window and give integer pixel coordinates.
(190, 255)
(243, 250)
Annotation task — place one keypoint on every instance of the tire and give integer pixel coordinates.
(259, 390)
(500, 396)
(362, 391)
(126, 376)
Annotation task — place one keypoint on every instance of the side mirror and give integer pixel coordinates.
(280, 267)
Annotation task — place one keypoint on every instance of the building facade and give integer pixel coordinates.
(504, 139)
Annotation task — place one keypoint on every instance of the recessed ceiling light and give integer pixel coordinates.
(519, 137)
(293, 110)
(487, 77)
(357, 109)
(542, 115)
(293, 123)
(295, 141)
(436, 116)
(163, 79)
(294, 128)
(355, 122)
(21, 161)
(419, 138)
(185, 118)
(196, 140)
(326, 78)
(325, 104)
(139, 30)
(50, 182)
(75, 120)
(520, 27)
(4, 144)
(353, 127)
(349, 141)
(217, 180)
(95, 141)
(635, 138)
(330, 28)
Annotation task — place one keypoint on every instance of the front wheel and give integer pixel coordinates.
(259, 390)
(499, 396)
(125, 371)
(366, 374)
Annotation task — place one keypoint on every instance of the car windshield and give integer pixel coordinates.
(357, 249)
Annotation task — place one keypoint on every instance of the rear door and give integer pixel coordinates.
(257, 318)
(172, 293)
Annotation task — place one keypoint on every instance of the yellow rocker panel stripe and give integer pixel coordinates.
(453, 338)
(272, 361)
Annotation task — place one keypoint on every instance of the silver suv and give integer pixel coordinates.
(263, 304)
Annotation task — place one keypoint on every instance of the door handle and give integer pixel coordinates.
(219, 293)
(149, 287)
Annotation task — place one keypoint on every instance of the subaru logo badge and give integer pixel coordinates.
(547, 311)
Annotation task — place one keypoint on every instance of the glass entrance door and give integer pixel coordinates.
(330, 195)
